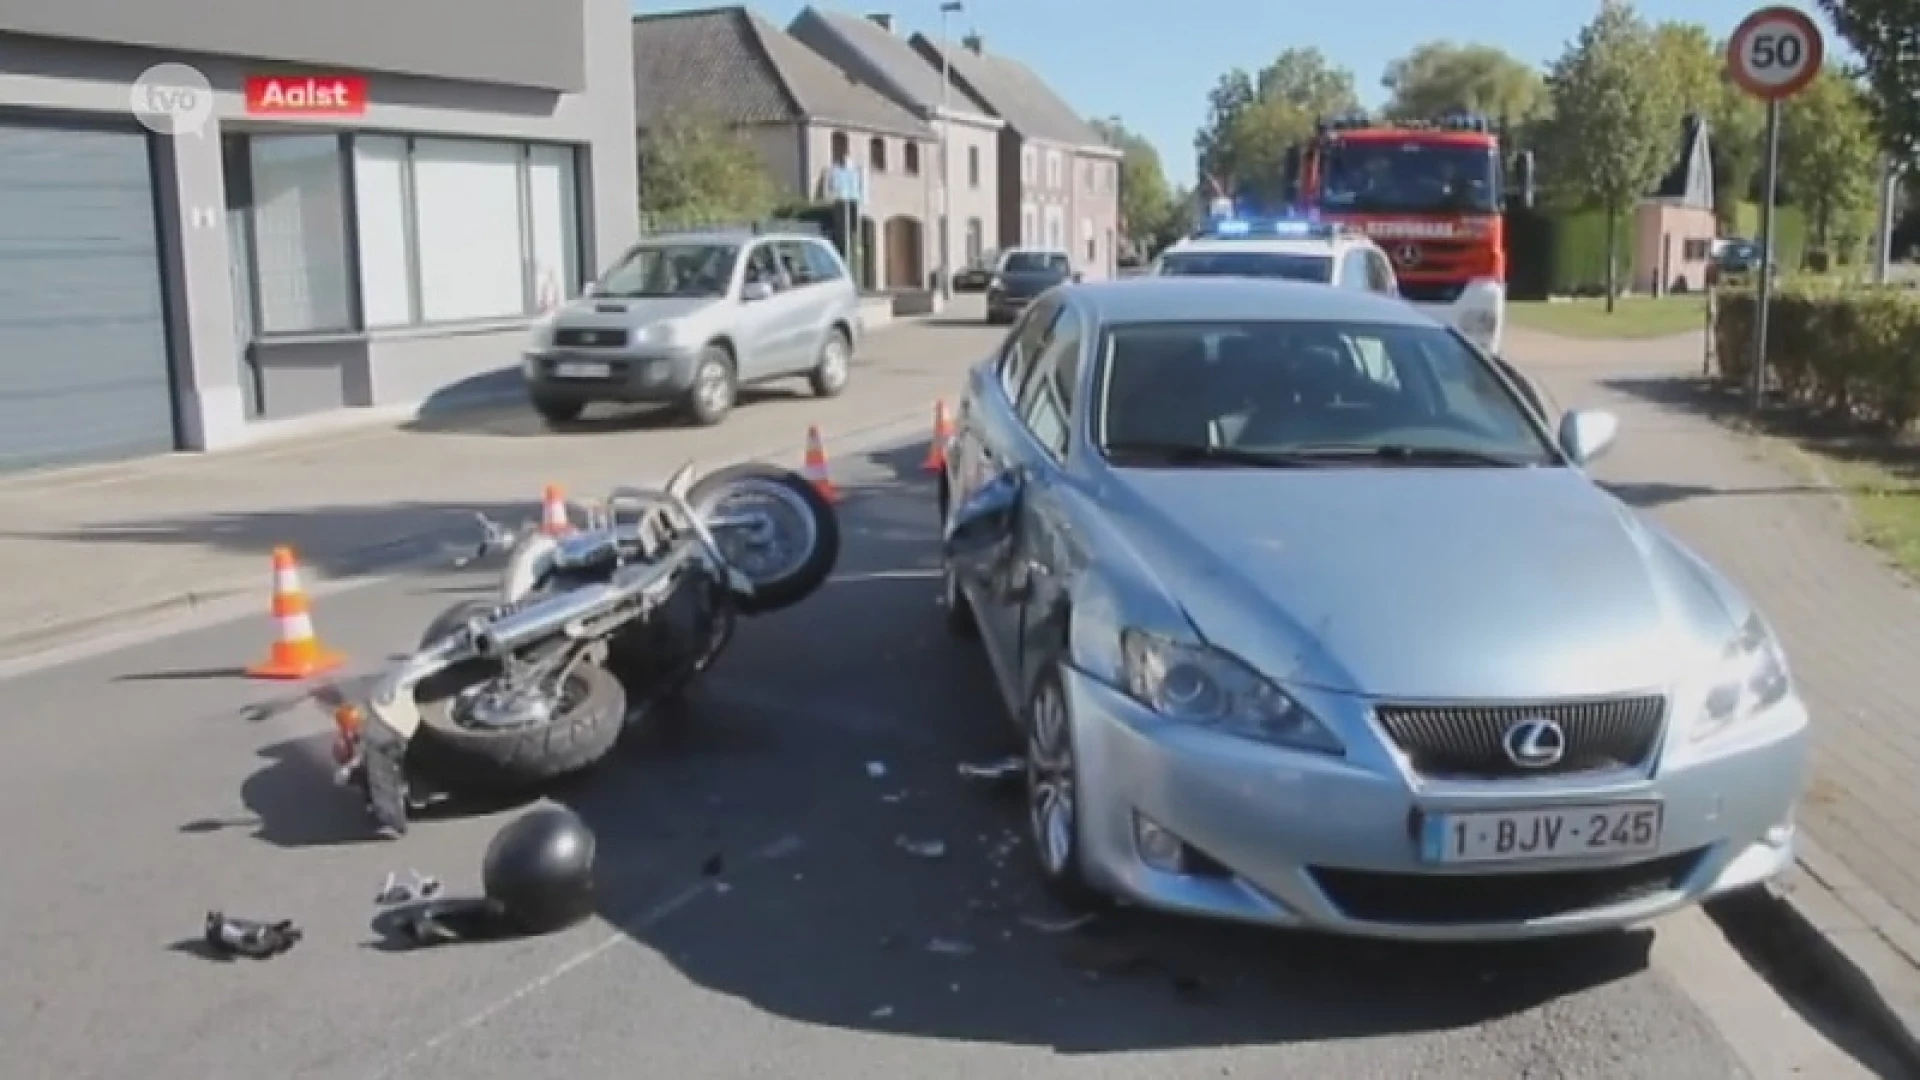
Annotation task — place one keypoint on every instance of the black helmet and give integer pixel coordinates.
(539, 870)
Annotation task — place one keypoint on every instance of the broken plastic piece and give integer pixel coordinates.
(1066, 925)
(876, 769)
(994, 772)
(417, 886)
(949, 947)
(923, 849)
(249, 937)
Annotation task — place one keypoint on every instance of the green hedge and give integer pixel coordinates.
(1852, 350)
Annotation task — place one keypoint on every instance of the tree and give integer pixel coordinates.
(694, 170)
(1882, 32)
(1615, 130)
(1696, 67)
(1441, 77)
(1251, 119)
(1828, 150)
(1146, 203)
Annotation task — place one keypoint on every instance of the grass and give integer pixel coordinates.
(1883, 495)
(1632, 317)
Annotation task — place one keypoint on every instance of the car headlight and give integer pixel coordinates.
(660, 333)
(1750, 678)
(540, 334)
(1201, 685)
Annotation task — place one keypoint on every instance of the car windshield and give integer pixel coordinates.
(1397, 175)
(1028, 262)
(1307, 394)
(1249, 264)
(671, 270)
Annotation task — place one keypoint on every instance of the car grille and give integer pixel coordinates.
(1468, 741)
(589, 339)
(1456, 899)
(1431, 292)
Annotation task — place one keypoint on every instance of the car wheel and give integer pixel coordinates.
(830, 375)
(1053, 794)
(714, 387)
(558, 412)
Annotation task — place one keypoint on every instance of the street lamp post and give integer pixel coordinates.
(947, 8)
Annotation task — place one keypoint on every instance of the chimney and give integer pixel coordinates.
(884, 22)
(972, 43)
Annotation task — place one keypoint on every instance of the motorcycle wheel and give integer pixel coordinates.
(793, 505)
(472, 760)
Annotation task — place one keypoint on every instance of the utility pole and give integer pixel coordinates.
(1883, 232)
(947, 9)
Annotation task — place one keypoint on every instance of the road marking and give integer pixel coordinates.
(624, 929)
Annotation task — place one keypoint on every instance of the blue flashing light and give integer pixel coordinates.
(1309, 227)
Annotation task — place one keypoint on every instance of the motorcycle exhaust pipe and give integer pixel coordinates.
(554, 614)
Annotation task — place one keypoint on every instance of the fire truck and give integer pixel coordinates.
(1431, 195)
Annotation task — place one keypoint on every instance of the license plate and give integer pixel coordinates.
(1567, 832)
(582, 371)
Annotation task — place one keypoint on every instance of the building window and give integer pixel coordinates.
(455, 230)
(1112, 175)
(1029, 235)
(910, 158)
(973, 166)
(1056, 229)
(300, 266)
(1027, 166)
(877, 154)
(1696, 249)
(838, 148)
(976, 239)
(1093, 247)
(1086, 176)
(1054, 166)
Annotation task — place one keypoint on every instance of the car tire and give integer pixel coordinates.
(555, 411)
(716, 387)
(1054, 820)
(834, 369)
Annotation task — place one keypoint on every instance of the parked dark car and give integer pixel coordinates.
(1024, 274)
(978, 275)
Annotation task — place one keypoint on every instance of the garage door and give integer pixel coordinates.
(83, 343)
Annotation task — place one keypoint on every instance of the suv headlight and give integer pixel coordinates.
(1750, 678)
(540, 334)
(660, 333)
(1201, 685)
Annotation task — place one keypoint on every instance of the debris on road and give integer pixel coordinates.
(444, 922)
(1001, 771)
(1051, 925)
(877, 769)
(894, 797)
(881, 1013)
(229, 936)
(417, 886)
(714, 866)
(921, 849)
(949, 947)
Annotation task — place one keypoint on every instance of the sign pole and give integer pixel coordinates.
(1773, 54)
(1756, 390)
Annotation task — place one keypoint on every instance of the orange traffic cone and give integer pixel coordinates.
(554, 518)
(296, 652)
(942, 435)
(816, 466)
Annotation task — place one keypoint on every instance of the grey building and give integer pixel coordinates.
(195, 291)
(1059, 181)
(877, 54)
(731, 67)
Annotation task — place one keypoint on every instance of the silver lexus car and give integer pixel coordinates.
(1308, 615)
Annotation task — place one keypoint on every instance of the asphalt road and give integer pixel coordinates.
(146, 786)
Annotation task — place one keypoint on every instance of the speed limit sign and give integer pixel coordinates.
(1775, 52)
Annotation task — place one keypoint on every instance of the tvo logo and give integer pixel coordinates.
(172, 99)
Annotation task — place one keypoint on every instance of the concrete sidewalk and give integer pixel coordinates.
(1850, 623)
(95, 548)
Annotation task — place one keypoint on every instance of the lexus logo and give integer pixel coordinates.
(1408, 255)
(1535, 743)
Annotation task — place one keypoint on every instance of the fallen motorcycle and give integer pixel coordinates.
(592, 632)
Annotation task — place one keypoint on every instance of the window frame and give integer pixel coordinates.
(1040, 382)
(1014, 349)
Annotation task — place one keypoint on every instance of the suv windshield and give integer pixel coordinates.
(1030, 262)
(1306, 393)
(672, 270)
(1398, 175)
(1251, 264)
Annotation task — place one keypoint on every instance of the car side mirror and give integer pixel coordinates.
(755, 291)
(1585, 434)
(979, 531)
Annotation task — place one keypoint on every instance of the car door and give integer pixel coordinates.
(769, 323)
(838, 300)
(811, 301)
(1043, 560)
(991, 442)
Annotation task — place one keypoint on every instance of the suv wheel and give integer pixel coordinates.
(830, 375)
(558, 412)
(714, 387)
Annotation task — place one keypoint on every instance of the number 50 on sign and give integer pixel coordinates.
(1775, 52)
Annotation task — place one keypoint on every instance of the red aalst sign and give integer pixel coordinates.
(306, 95)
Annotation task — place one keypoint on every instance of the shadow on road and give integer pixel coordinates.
(517, 420)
